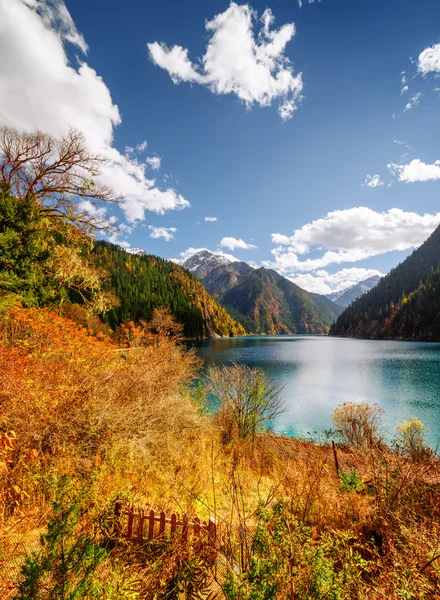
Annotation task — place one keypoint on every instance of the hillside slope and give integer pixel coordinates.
(417, 316)
(398, 293)
(143, 283)
(271, 303)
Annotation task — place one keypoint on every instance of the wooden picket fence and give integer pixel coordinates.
(142, 525)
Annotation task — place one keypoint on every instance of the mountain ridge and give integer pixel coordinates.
(143, 282)
(261, 299)
(348, 295)
(376, 314)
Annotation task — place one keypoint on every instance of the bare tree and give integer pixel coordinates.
(55, 173)
(164, 325)
(248, 399)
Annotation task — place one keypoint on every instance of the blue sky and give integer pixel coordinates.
(342, 87)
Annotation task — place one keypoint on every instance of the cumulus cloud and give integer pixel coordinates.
(323, 282)
(429, 60)
(167, 233)
(279, 238)
(373, 181)
(211, 219)
(234, 243)
(347, 236)
(239, 61)
(55, 14)
(34, 66)
(416, 171)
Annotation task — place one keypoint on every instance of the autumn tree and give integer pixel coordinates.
(56, 174)
(248, 399)
(50, 207)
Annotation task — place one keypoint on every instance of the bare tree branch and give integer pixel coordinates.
(57, 174)
(248, 399)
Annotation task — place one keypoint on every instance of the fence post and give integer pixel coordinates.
(184, 529)
(151, 525)
(118, 522)
(173, 524)
(162, 524)
(141, 525)
(130, 521)
(336, 458)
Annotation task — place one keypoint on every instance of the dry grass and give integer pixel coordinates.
(123, 423)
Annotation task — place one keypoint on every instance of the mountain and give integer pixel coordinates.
(345, 297)
(261, 299)
(403, 304)
(224, 277)
(144, 282)
(203, 262)
(273, 304)
(137, 251)
(417, 317)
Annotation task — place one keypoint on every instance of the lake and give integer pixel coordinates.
(319, 373)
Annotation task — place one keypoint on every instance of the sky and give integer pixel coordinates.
(297, 135)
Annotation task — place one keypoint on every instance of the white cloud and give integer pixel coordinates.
(404, 82)
(416, 171)
(129, 180)
(238, 61)
(322, 282)
(167, 233)
(429, 60)
(278, 238)
(142, 146)
(211, 219)
(401, 143)
(154, 162)
(40, 89)
(56, 16)
(346, 236)
(373, 181)
(413, 102)
(99, 213)
(301, 2)
(234, 243)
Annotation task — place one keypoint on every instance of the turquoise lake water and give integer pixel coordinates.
(319, 373)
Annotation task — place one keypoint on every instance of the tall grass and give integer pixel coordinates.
(123, 423)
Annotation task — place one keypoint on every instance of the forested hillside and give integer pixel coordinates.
(143, 283)
(43, 264)
(267, 302)
(403, 304)
(417, 316)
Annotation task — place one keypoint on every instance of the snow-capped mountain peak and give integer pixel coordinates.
(204, 261)
(345, 297)
(137, 251)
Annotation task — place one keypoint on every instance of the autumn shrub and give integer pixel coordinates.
(282, 559)
(73, 560)
(410, 440)
(78, 402)
(359, 425)
(248, 400)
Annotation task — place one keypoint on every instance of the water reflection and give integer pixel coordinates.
(319, 373)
